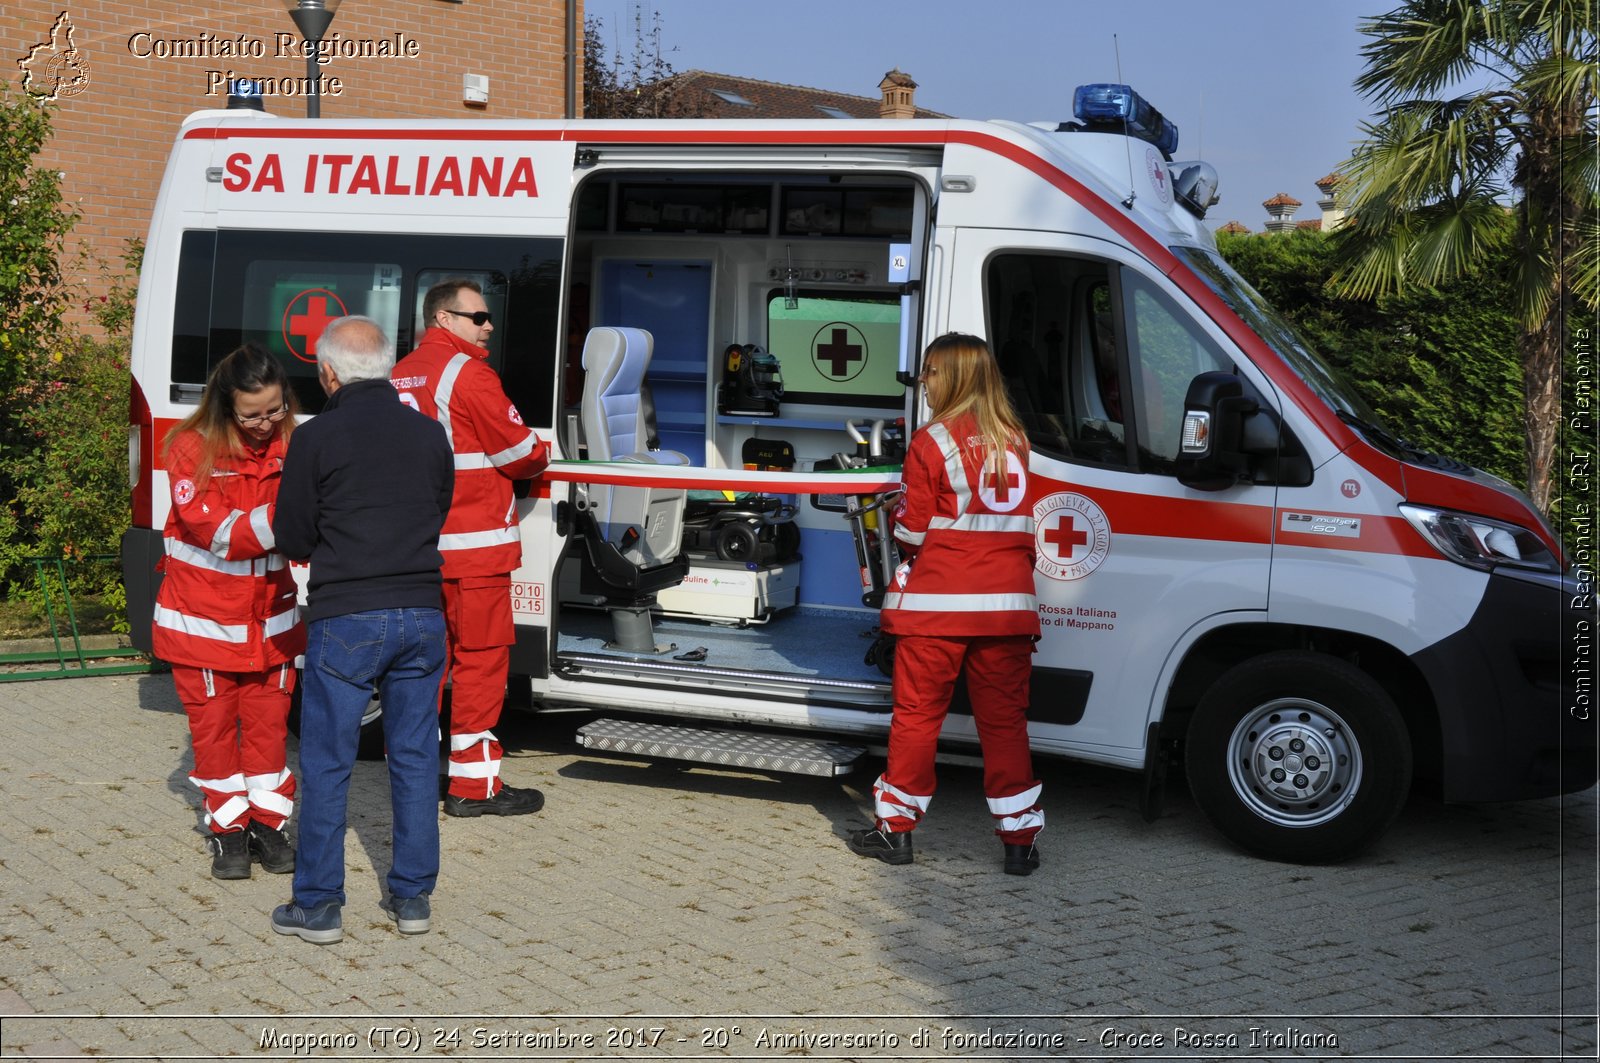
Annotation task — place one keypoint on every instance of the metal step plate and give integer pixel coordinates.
(731, 749)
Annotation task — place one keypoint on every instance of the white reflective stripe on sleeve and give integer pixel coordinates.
(473, 461)
(228, 815)
(211, 682)
(954, 471)
(962, 603)
(467, 741)
(442, 393)
(220, 541)
(233, 784)
(906, 535)
(262, 526)
(1004, 806)
(173, 620)
(283, 622)
(514, 453)
(478, 769)
(1027, 821)
(984, 522)
(475, 540)
(190, 554)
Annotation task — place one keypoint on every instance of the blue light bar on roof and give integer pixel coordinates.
(1118, 108)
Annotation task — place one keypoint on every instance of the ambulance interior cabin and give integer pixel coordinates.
(774, 321)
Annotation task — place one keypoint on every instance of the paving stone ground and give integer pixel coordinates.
(655, 913)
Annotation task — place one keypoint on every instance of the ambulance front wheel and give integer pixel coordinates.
(371, 742)
(1299, 756)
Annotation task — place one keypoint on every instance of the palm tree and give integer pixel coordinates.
(1505, 169)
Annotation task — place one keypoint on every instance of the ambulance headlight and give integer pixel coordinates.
(1478, 542)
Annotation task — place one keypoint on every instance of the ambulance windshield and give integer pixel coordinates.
(1277, 332)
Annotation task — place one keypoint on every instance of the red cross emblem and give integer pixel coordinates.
(309, 323)
(1065, 534)
(842, 354)
(1001, 485)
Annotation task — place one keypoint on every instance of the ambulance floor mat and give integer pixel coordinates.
(802, 641)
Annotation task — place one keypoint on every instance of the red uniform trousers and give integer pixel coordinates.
(477, 614)
(925, 672)
(239, 726)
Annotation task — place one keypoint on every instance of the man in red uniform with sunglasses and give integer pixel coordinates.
(448, 378)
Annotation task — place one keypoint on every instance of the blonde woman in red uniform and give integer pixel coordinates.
(964, 598)
(226, 616)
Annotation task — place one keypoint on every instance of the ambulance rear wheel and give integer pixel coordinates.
(737, 542)
(370, 745)
(1299, 757)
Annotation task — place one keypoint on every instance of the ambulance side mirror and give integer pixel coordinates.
(1211, 453)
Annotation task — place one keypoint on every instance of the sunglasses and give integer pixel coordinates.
(479, 317)
(267, 418)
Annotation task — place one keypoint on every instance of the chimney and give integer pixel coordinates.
(898, 90)
(1332, 209)
(1281, 208)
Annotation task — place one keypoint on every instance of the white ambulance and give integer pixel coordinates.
(1236, 566)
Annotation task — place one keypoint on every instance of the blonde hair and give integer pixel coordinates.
(246, 370)
(971, 384)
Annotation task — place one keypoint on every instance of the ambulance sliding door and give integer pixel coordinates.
(1098, 350)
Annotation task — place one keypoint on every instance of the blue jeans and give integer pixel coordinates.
(401, 653)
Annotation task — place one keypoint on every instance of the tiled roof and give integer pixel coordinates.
(1312, 223)
(1233, 227)
(703, 94)
(1282, 199)
(1329, 181)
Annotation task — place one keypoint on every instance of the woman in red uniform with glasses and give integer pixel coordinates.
(963, 599)
(226, 616)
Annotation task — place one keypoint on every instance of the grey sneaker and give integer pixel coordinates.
(320, 925)
(412, 915)
(230, 855)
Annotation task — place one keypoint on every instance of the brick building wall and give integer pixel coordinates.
(122, 95)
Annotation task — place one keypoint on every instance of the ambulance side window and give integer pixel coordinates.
(279, 289)
(1054, 331)
(1167, 350)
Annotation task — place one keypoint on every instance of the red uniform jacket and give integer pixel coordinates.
(228, 599)
(449, 379)
(970, 535)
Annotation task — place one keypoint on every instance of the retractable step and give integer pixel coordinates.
(730, 749)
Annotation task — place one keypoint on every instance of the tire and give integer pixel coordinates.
(370, 746)
(737, 542)
(1331, 732)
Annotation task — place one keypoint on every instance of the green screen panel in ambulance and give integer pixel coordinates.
(837, 349)
(285, 305)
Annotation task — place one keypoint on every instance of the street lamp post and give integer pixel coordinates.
(312, 18)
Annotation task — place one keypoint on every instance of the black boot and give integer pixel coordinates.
(1021, 859)
(889, 846)
(230, 855)
(271, 848)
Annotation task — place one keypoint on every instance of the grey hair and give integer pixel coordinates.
(356, 348)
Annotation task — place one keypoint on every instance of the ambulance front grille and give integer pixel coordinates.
(728, 749)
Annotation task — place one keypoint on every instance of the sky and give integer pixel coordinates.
(1261, 89)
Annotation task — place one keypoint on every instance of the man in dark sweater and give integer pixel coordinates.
(365, 488)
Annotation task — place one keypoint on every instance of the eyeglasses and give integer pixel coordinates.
(266, 418)
(479, 317)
